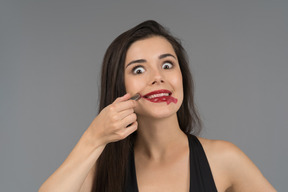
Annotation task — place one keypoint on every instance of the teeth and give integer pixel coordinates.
(158, 95)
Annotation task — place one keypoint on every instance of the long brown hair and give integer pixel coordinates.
(111, 165)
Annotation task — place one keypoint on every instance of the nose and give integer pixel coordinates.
(157, 77)
(157, 81)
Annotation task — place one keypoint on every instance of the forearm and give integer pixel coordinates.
(74, 170)
(110, 125)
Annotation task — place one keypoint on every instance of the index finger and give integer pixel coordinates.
(124, 105)
(123, 98)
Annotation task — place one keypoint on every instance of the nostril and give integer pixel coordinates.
(159, 81)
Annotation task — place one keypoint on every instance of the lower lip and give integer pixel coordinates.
(167, 99)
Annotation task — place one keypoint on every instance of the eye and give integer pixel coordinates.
(167, 65)
(138, 70)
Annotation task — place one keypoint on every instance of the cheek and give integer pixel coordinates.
(178, 84)
(177, 81)
(133, 85)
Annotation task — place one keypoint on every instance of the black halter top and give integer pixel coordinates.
(201, 178)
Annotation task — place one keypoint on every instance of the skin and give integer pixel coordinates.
(161, 148)
(76, 172)
(153, 147)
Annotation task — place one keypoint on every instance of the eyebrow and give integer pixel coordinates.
(144, 61)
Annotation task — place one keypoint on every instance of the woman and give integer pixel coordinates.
(163, 154)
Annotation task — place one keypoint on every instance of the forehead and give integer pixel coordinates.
(149, 47)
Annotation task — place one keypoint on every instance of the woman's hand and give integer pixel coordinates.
(76, 172)
(111, 124)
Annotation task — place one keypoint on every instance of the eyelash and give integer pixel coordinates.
(140, 66)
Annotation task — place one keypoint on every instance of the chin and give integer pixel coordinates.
(157, 116)
(157, 112)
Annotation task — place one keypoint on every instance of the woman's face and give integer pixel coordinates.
(152, 69)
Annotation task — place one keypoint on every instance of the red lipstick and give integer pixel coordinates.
(158, 96)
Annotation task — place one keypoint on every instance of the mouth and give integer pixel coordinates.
(158, 96)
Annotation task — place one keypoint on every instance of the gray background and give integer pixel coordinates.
(51, 52)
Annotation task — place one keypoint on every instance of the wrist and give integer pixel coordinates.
(92, 140)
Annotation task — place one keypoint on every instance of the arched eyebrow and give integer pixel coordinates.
(144, 61)
(166, 55)
(136, 61)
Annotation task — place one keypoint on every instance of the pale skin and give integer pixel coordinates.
(161, 148)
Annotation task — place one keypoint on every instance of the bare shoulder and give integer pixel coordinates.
(222, 151)
(230, 162)
(219, 146)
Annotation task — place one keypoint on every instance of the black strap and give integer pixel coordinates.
(201, 178)
(131, 179)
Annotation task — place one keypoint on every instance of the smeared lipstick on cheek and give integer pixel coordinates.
(171, 99)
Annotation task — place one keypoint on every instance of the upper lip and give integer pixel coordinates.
(158, 92)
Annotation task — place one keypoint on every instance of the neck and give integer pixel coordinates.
(157, 138)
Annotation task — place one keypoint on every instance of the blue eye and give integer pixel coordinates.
(167, 65)
(138, 70)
